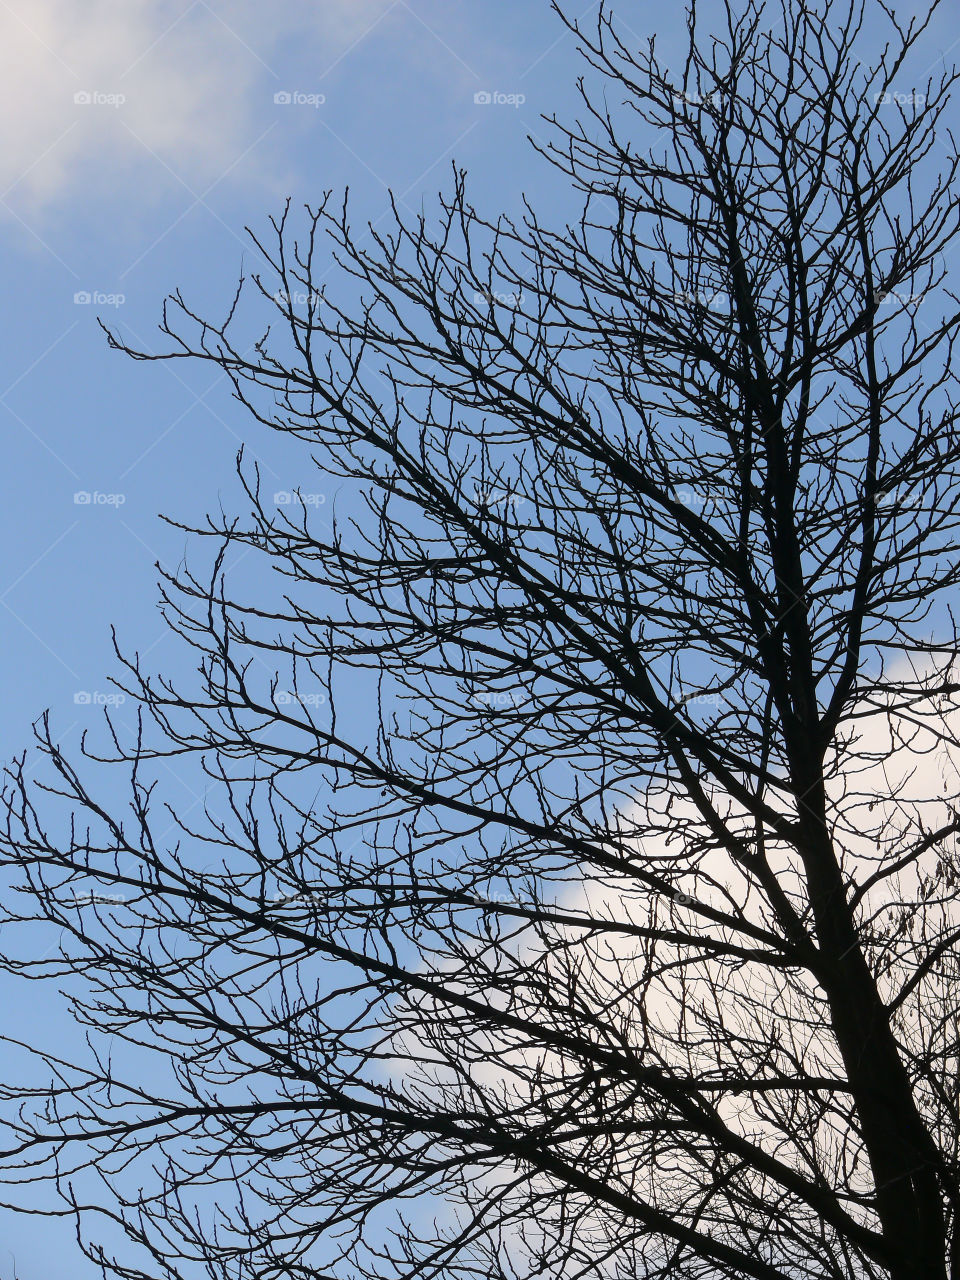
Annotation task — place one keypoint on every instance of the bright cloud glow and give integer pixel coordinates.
(178, 83)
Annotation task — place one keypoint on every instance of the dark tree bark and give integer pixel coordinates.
(605, 920)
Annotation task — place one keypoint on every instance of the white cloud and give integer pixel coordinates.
(193, 77)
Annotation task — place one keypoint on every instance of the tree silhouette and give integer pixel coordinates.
(600, 934)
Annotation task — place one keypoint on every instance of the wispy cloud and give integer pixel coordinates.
(94, 93)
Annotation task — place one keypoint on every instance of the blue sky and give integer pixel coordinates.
(142, 135)
(147, 186)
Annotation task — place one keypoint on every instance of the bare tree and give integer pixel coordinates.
(594, 936)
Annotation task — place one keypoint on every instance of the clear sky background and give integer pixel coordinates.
(140, 137)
